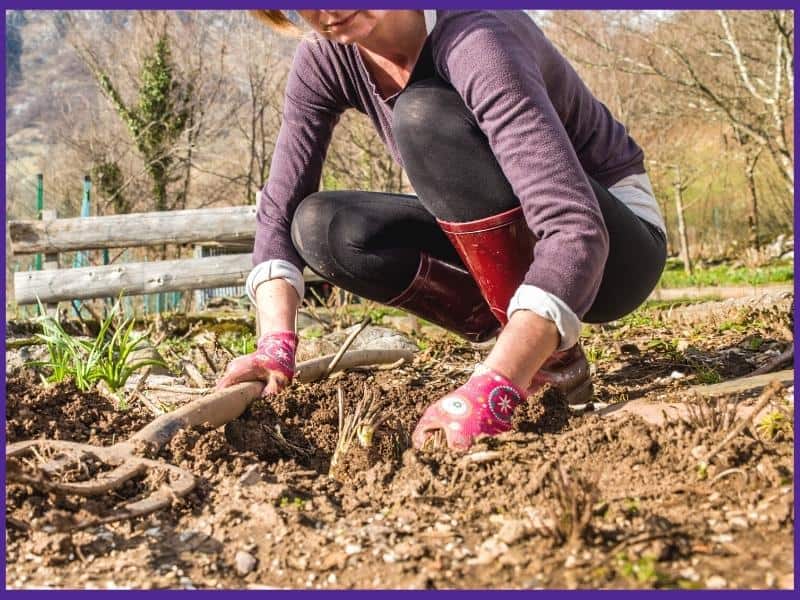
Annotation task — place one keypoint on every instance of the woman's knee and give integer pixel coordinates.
(429, 108)
(310, 222)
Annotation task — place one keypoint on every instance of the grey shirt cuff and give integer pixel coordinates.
(274, 269)
(550, 307)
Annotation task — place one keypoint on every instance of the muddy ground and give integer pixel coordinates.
(567, 500)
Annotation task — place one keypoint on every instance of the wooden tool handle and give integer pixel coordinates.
(225, 405)
(216, 409)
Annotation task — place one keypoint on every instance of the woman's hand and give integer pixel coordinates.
(482, 406)
(272, 362)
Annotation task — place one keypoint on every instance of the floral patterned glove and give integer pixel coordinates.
(482, 406)
(273, 363)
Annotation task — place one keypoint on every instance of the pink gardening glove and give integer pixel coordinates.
(482, 406)
(272, 363)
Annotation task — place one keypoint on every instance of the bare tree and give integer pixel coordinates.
(694, 68)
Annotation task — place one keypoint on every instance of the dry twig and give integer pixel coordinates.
(766, 397)
(347, 343)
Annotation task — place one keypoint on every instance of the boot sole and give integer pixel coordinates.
(581, 394)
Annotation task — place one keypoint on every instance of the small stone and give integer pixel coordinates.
(251, 476)
(407, 324)
(389, 557)
(629, 349)
(738, 523)
(245, 563)
(185, 536)
(332, 579)
(715, 582)
(187, 584)
(488, 551)
(351, 549)
(512, 531)
(698, 452)
(153, 532)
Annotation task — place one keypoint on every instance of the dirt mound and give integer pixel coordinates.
(61, 411)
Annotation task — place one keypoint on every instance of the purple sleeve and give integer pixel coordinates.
(309, 116)
(501, 84)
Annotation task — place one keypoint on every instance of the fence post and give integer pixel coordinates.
(199, 294)
(50, 262)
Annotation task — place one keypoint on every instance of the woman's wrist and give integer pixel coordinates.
(276, 306)
(525, 343)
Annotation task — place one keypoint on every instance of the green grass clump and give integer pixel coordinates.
(238, 343)
(105, 358)
(642, 570)
(675, 277)
(772, 423)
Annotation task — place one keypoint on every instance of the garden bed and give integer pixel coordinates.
(567, 499)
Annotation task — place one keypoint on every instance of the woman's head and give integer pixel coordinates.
(342, 26)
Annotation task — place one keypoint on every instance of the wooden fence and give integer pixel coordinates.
(227, 226)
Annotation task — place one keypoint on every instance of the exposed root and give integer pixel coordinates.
(358, 426)
(575, 500)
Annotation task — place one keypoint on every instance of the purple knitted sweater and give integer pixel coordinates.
(545, 127)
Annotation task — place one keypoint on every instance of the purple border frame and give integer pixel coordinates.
(496, 4)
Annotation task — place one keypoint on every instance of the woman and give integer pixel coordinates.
(533, 209)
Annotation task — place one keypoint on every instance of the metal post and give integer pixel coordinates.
(81, 258)
(39, 208)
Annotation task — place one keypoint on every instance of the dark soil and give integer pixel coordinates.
(566, 500)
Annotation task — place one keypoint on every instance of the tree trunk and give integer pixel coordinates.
(684, 239)
(752, 218)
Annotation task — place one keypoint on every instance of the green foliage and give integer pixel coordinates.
(641, 318)
(772, 423)
(238, 343)
(162, 113)
(295, 502)
(596, 353)
(642, 570)
(105, 358)
(631, 507)
(669, 347)
(110, 182)
(754, 343)
(707, 375)
(675, 277)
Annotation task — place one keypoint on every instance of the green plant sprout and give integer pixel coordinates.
(772, 423)
(105, 358)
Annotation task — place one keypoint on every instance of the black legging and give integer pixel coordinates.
(370, 242)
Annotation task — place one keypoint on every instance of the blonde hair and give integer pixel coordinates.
(277, 20)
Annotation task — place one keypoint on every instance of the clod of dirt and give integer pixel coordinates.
(545, 412)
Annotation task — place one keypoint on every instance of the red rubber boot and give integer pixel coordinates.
(498, 251)
(447, 296)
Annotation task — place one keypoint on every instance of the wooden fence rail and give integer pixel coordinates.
(234, 223)
(201, 226)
